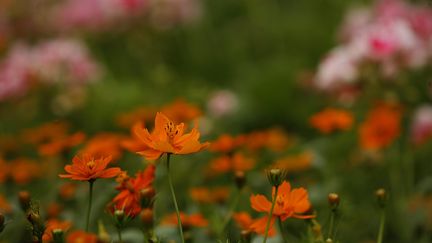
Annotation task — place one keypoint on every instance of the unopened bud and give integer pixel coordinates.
(24, 200)
(381, 195)
(246, 235)
(33, 218)
(58, 236)
(147, 197)
(275, 177)
(240, 179)
(119, 217)
(333, 200)
(146, 217)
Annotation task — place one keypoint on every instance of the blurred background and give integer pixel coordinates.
(246, 65)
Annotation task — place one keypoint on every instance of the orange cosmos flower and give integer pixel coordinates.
(67, 190)
(245, 222)
(332, 119)
(205, 195)
(273, 138)
(295, 163)
(226, 143)
(168, 138)
(180, 111)
(86, 168)
(134, 144)
(103, 145)
(237, 162)
(80, 237)
(192, 220)
(130, 189)
(140, 114)
(23, 170)
(289, 203)
(54, 224)
(381, 127)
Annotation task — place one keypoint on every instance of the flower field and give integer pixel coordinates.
(215, 121)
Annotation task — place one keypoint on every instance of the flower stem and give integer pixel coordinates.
(270, 214)
(174, 198)
(89, 204)
(331, 225)
(284, 236)
(119, 234)
(381, 227)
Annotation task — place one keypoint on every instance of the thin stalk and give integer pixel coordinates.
(174, 199)
(332, 225)
(382, 226)
(89, 204)
(270, 215)
(119, 235)
(284, 236)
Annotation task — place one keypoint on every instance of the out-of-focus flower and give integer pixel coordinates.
(273, 138)
(138, 115)
(222, 103)
(245, 222)
(188, 221)
(23, 170)
(54, 224)
(289, 203)
(95, 14)
(104, 145)
(331, 119)
(226, 143)
(57, 61)
(381, 127)
(67, 190)
(421, 128)
(206, 195)
(81, 236)
(53, 210)
(168, 138)
(295, 163)
(52, 138)
(422, 204)
(5, 206)
(236, 162)
(129, 197)
(181, 111)
(87, 168)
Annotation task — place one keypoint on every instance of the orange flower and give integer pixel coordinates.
(274, 139)
(205, 195)
(129, 197)
(289, 203)
(245, 222)
(24, 170)
(381, 127)
(238, 162)
(226, 143)
(53, 138)
(5, 207)
(180, 111)
(332, 119)
(54, 224)
(80, 237)
(192, 220)
(86, 168)
(134, 144)
(103, 145)
(168, 138)
(295, 163)
(67, 190)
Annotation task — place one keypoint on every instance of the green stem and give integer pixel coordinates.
(331, 226)
(119, 234)
(174, 198)
(381, 227)
(270, 215)
(230, 213)
(284, 236)
(89, 204)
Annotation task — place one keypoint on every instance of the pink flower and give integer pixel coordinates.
(222, 103)
(421, 129)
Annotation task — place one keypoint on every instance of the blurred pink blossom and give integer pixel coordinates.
(222, 103)
(422, 124)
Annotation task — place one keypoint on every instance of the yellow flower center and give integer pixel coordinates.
(91, 164)
(171, 130)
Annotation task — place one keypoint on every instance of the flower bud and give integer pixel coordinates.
(147, 197)
(275, 177)
(146, 217)
(240, 179)
(119, 217)
(246, 236)
(24, 200)
(58, 236)
(382, 196)
(334, 200)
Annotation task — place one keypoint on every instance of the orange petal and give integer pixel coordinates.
(260, 203)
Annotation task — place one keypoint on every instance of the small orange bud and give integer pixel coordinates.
(146, 217)
(240, 179)
(24, 200)
(334, 200)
